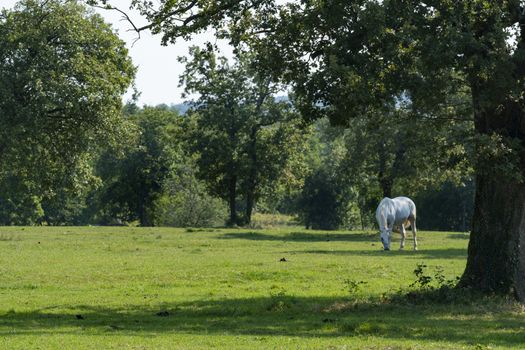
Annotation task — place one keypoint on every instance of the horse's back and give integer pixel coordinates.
(405, 208)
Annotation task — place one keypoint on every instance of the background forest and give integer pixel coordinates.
(241, 147)
(170, 169)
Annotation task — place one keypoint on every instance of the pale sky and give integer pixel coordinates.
(158, 69)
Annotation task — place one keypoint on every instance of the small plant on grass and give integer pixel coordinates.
(439, 276)
(422, 280)
(436, 288)
(278, 301)
(353, 286)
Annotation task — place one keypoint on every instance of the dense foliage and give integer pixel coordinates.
(62, 74)
(239, 147)
(244, 136)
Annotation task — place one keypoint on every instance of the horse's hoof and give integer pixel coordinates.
(387, 248)
(415, 248)
(401, 248)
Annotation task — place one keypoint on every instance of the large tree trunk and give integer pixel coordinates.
(252, 176)
(232, 198)
(386, 184)
(249, 208)
(384, 175)
(142, 209)
(496, 252)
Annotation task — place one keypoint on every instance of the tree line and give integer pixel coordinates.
(238, 148)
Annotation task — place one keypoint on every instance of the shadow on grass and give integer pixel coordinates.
(283, 315)
(303, 236)
(459, 236)
(448, 253)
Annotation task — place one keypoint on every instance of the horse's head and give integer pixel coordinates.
(385, 238)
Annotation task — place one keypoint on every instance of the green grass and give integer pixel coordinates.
(144, 288)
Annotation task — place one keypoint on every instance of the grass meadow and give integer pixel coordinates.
(288, 288)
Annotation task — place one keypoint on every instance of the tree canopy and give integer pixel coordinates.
(62, 76)
(244, 136)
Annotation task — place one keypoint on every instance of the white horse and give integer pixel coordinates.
(396, 212)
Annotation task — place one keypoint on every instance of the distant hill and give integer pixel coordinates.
(182, 108)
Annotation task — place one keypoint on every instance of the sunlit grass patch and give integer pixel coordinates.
(159, 288)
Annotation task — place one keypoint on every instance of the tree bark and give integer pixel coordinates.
(249, 208)
(252, 177)
(232, 198)
(385, 179)
(386, 184)
(143, 219)
(496, 251)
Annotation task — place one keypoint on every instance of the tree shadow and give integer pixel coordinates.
(459, 236)
(448, 253)
(281, 315)
(303, 236)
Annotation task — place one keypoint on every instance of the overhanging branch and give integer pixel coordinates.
(182, 18)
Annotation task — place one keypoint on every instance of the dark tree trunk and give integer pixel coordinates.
(252, 177)
(143, 216)
(385, 180)
(249, 208)
(496, 252)
(232, 198)
(386, 186)
(232, 181)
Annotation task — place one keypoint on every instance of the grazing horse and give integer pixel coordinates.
(396, 212)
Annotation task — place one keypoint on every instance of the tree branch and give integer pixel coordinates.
(125, 16)
(189, 20)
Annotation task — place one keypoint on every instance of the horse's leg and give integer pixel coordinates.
(413, 225)
(403, 236)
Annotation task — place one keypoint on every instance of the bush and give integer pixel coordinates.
(19, 202)
(186, 203)
(324, 202)
(183, 210)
